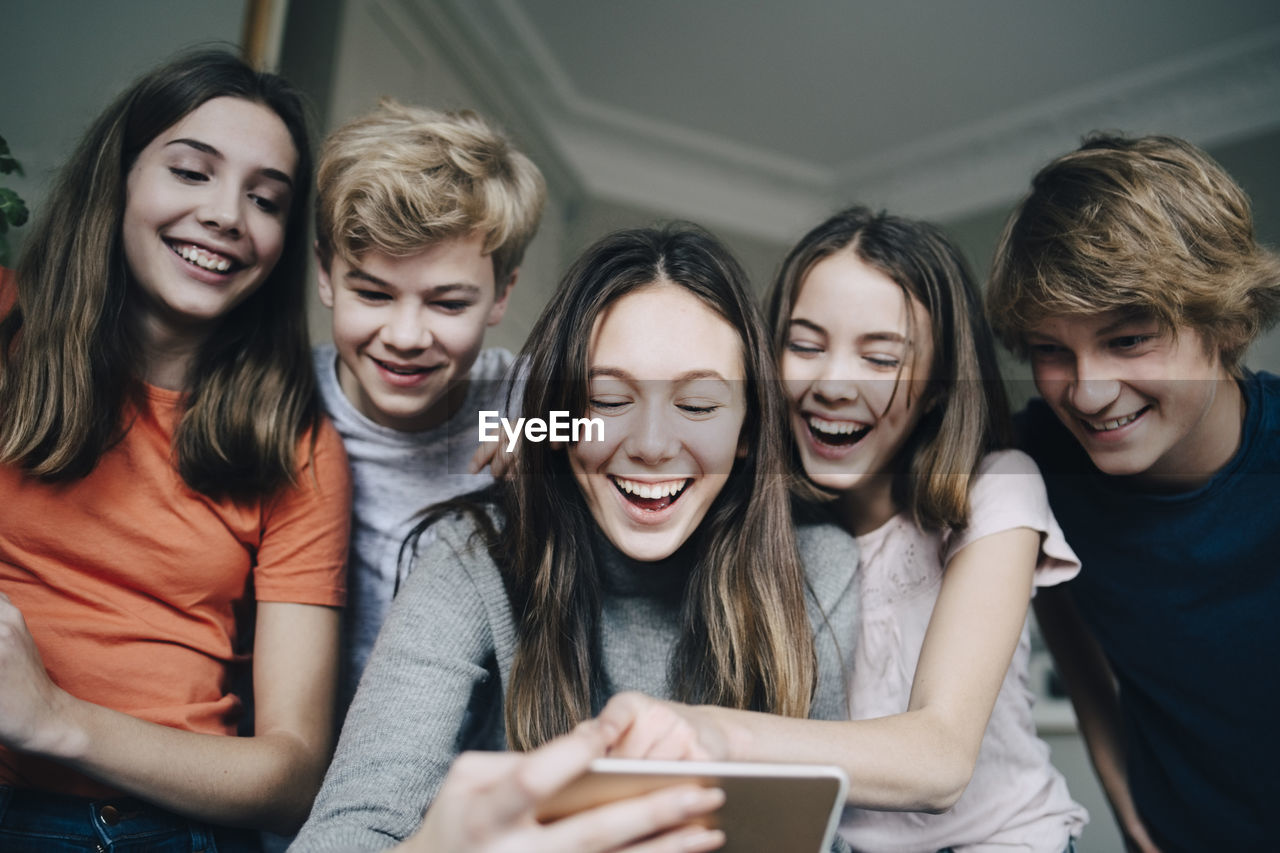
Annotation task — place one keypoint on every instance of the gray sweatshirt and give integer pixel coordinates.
(395, 475)
(435, 681)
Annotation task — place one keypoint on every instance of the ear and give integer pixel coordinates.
(499, 309)
(930, 401)
(322, 274)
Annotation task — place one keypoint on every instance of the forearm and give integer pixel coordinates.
(1097, 710)
(919, 760)
(1087, 676)
(267, 781)
(906, 762)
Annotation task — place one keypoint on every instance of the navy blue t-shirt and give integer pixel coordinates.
(1183, 593)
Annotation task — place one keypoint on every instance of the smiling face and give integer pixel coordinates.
(853, 377)
(206, 204)
(666, 377)
(408, 329)
(1141, 401)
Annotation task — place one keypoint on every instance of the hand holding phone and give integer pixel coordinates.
(767, 807)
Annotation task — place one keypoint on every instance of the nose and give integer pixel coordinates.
(223, 210)
(651, 437)
(1092, 389)
(405, 329)
(834, 383)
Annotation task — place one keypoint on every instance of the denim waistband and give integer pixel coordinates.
(40, 820)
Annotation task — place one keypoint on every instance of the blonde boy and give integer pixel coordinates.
(1131, 279)
(422, 219)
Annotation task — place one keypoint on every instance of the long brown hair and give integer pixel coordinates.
(745, 639)
(967, 411)
(69, 359)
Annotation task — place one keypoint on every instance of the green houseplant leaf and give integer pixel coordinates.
(8, 165)
(13, 212)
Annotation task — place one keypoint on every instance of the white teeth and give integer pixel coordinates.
(651, 491)
(1107, 426)
(203, 259)
(834, 427)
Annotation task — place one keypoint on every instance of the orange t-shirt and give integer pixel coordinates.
(138, 590)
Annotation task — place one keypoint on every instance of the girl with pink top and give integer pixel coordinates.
(899, 416)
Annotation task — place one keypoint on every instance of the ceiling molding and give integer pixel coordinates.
(437, 25)
(1230, 91)
(1218, 95)
(655, 132)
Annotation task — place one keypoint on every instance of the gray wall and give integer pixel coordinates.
(64, 60)
(595, 218)
(348, 55)
(1251, 161)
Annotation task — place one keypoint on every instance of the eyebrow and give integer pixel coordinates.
(361, 275)
(627, 376)
(206, 148)
(808, 324)
(891, 337)
(1128, 319)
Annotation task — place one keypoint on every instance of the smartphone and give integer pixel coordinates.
(768, 807)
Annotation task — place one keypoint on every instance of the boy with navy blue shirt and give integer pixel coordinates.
(1131, 279)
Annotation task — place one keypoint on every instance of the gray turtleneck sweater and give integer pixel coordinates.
(435, 680)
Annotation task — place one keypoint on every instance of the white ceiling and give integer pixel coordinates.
(763, 116)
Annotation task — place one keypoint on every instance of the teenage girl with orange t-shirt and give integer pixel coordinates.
(174, 506)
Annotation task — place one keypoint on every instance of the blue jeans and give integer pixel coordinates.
(1071, 847)
(41, 822)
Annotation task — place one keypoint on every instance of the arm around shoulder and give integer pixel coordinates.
(918, 760)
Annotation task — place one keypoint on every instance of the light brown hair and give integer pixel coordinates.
(1150, 225)
(402, 178)
(967, 412)
(745, 638)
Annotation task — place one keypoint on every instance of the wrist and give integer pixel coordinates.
(62, 735)
(735, 740)
(740, 741)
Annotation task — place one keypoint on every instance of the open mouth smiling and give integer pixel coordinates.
(650, 496)
(1114, 423)
(203, 258)
(836, 433)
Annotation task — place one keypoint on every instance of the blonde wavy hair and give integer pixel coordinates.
(402, 178)
(1150, 225)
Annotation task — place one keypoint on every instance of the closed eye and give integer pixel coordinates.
(803, 349)
(695, 409)
(188, 175)
(1130, 342)
(373, 295)
(452, 306)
